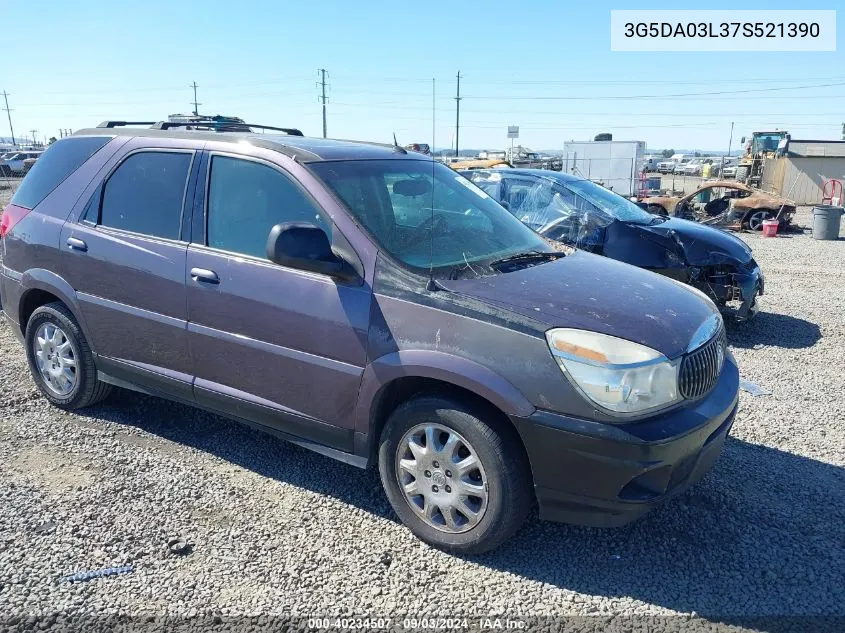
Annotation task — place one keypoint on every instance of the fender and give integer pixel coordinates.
(455, 370)
(41, 279)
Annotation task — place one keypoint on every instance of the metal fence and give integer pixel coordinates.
(9, 183)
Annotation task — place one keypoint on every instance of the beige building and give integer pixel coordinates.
(802, 170)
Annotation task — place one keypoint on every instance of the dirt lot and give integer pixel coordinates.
(275, 531)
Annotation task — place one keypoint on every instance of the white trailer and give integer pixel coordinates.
(615, 164)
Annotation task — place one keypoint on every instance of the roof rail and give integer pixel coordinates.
(224, 126)
(107, 124)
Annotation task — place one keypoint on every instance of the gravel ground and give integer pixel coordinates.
(269, 529)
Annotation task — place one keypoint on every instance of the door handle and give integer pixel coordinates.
(76, 244)
(206, 276)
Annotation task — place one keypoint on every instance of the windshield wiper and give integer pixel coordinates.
(527, 257)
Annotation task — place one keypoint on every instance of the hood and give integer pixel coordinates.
(599, 294)
(703, 245)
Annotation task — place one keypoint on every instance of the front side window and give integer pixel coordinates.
(145, 194)
(246, 199)
(424, 214)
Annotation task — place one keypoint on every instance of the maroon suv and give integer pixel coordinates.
(373, 305)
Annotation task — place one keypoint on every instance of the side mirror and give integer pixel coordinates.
(306, 246)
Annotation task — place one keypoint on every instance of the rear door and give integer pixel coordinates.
(125, 257)
(275, 345)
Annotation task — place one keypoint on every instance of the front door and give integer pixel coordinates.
(275, 345)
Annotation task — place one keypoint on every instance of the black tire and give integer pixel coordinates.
(501, 453)
(87, 389)
(656, 209)
(742, 173)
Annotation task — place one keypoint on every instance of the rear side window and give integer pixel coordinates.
(54, 166)
(145, 194)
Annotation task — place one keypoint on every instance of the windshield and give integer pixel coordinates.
(610, 203)
(767, 142)
(425, 214)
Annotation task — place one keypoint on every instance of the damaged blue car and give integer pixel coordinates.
(585, 215)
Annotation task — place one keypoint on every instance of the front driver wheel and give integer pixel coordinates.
(456, 475)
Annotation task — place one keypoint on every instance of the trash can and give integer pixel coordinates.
(826, 219)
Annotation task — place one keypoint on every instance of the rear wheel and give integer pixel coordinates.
(60, 359)
(656, 209)
(754, 221)
(456, 475)
(742, 172)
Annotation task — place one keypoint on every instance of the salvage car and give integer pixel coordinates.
(665, 166)
(582, 214)
(726, 203)
(480, 163)
(693, 167)
(370, 304)
(14, 163)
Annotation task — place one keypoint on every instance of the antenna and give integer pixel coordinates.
(432, 285)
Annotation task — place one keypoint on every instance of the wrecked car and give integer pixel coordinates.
(580, 213)
(726, 203)
(480, 163)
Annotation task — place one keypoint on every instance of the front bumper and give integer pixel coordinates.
(742, 285)
(604, 475)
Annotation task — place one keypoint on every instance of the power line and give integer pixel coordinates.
(653, 96)
(9, 114)
(639, 82)
(265, 82)
(196, 104)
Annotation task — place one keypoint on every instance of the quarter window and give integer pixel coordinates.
(54, 166)
(246, 199)
(145, 194)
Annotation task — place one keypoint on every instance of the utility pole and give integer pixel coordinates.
(9, 114)
(322, 83)
(195, 102)
(433, 91)
(34, 132)
(458, 114)
(730, 142)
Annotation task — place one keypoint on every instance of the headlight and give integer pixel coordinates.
(615, 374)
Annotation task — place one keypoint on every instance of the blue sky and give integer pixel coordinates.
(544, 65)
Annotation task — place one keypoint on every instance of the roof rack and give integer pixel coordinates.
(109, 124)
(216, 124)
(225, 126)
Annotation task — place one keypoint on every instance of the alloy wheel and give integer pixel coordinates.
(755, 221)
(442, 478)
(55, 359)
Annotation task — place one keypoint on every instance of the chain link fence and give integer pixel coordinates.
(9, 183)
(14, 165)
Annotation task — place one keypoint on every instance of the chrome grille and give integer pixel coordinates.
(700, 369)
